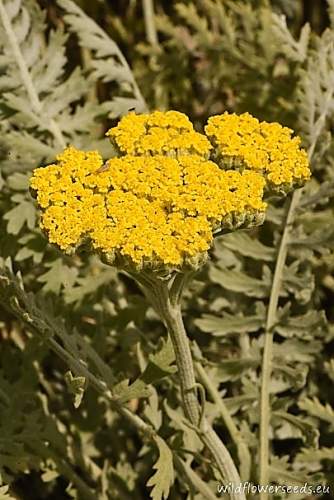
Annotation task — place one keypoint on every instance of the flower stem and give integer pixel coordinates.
(169, 308)
(193, 479)
(174, 324)
(243, 451)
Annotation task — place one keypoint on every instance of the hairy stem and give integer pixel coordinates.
(26, 77)
(192, 478)
(174, 324)
(243, 451)
(191, 405)
(170, 312)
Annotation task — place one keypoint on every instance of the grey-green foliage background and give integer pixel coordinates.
(64, 79)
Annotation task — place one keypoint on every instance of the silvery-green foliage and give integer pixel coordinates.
(107, 63)
(42, 99)
(267, 70)
(44, 106)
(212, 56)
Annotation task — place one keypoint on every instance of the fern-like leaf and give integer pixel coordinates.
(164, 475)
(108, 63)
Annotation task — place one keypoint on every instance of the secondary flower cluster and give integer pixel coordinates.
(159, 203)
(244, 142)
(170, 133)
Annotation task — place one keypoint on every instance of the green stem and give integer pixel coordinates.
(268, 345)
(192, 478)
(174, 324)
(151, 32)
(100, 387)
(135, 420)
(194, 481)
(64, 468)
(243, 451)
(170, 313)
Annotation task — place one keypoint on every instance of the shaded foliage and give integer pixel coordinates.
(64, 79)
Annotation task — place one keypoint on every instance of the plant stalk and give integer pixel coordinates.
(151, 32)
(170, 312)
(194, 481)
(242, 448)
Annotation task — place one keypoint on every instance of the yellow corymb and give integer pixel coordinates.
(169, 133)
(160, 202)
(242, 141)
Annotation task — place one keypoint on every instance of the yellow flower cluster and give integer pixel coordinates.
(245, 142)
(143, 210)
(159, 203)
(168, 133)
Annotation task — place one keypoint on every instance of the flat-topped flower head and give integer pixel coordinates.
(152, 212)
(242, 141)
(169, 133)
(161, 202)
